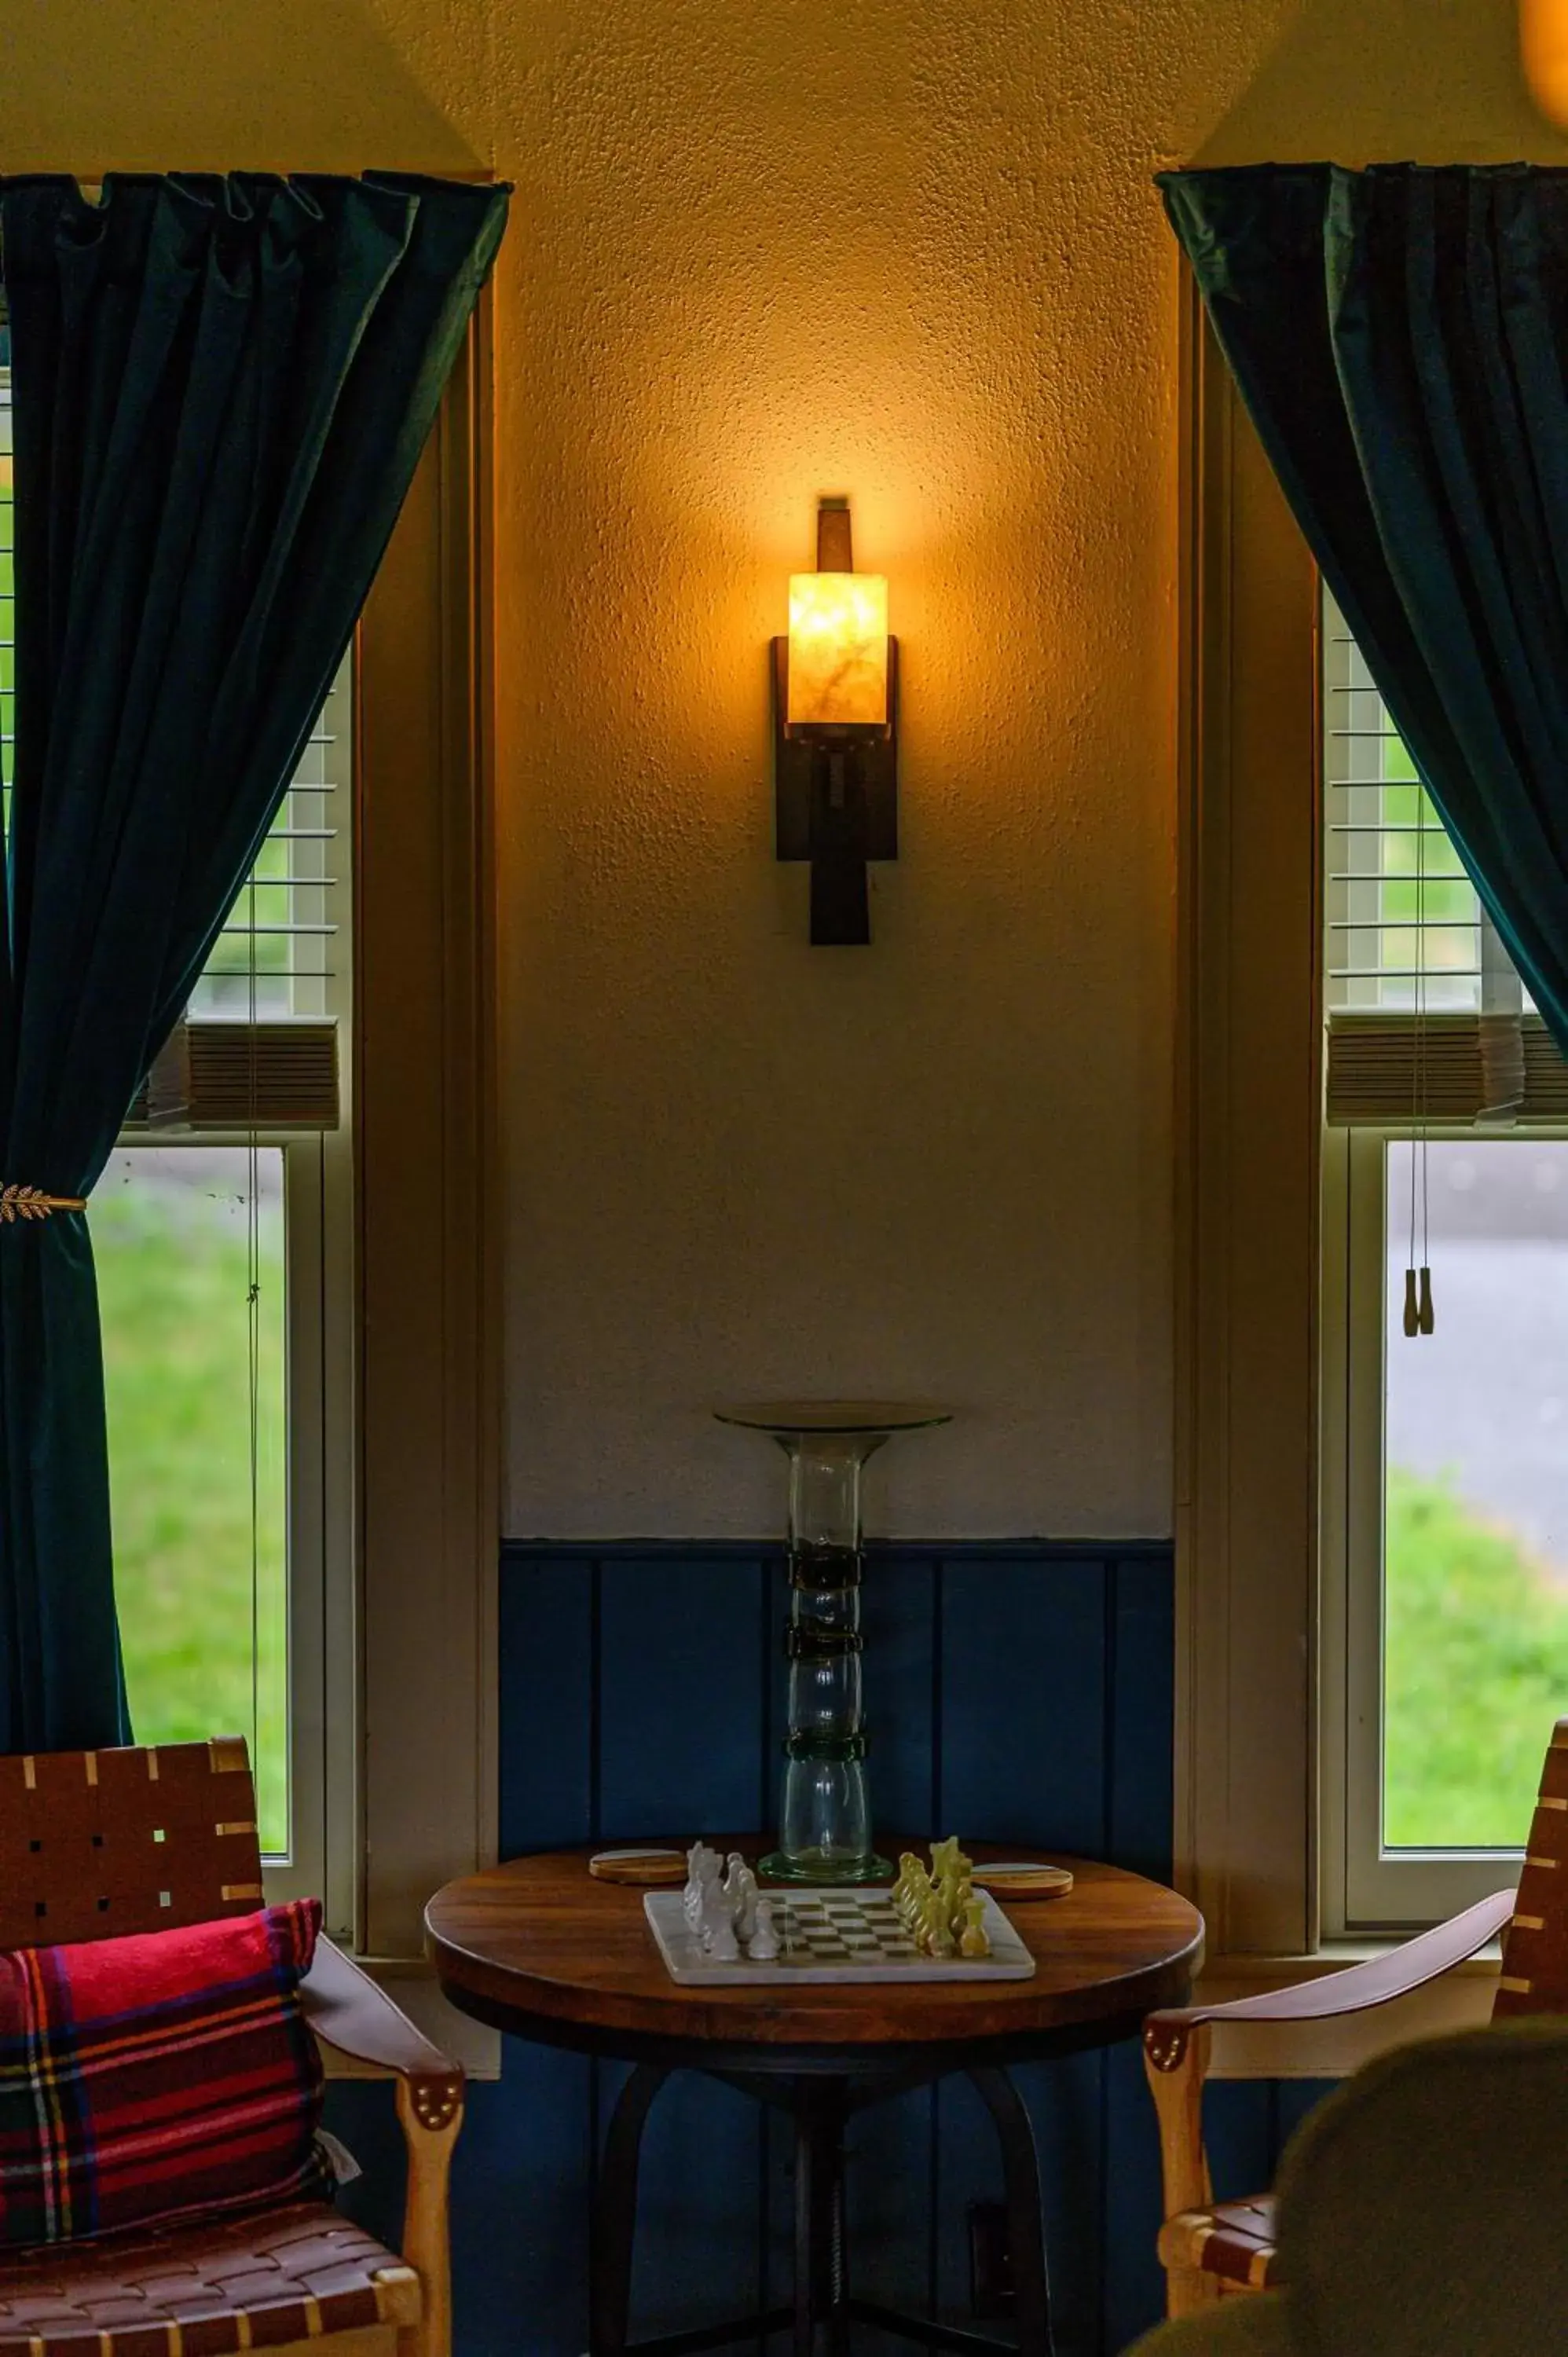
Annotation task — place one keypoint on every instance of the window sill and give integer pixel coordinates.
(412, 1982)
(1461, 2000)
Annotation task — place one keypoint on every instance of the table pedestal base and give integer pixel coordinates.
(823, 2308)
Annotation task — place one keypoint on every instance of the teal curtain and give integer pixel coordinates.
(1400, 336)
(220, 390)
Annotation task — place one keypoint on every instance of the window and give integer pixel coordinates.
(1446, 1562)
(222, 1232)
(369, 1625)
(1263, 1510)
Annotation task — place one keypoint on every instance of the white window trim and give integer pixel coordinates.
(1365, 1891)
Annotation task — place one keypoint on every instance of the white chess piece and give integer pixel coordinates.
(688, 1896)
(718, 1922)
(701, 1867)
(746, 1906)
(763, 1946)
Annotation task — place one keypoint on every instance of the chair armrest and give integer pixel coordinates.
(344, 2006)
(1355, 1990)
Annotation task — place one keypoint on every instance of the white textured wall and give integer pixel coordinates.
(908, 250)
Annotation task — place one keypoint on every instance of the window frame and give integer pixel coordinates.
(318, 1166)
(1261, 1261)
(410, 1641)
(426, 1237)
(1365, 1888)
(394, 1513)
(1248, 1136)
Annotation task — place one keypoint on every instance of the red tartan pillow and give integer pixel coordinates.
(159, 2077)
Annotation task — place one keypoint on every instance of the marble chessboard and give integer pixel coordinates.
(827, 1936)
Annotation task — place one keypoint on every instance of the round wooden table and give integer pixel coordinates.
(540, 1949)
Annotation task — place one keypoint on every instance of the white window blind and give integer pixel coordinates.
(259, 1043)
(1427, 1018)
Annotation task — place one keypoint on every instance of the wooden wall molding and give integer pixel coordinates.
(1249, 1131)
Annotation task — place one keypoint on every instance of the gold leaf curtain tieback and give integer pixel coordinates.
(32, 1203)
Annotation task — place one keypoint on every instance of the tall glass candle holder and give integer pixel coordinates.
(824, 1827)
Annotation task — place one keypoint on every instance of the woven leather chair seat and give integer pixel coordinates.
(1234, 2241)
(204, 2291)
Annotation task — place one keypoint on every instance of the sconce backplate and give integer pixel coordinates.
(876, 756)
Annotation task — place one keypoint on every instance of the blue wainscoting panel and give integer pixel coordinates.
(1021, 1691)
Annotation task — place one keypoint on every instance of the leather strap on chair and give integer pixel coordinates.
(344, 2006)
(1355, 1990)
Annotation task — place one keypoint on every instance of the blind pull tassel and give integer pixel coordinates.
(1412, 1312)
(1427, 1320)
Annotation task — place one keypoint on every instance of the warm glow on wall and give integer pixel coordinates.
(1543, 46)
(838, 650)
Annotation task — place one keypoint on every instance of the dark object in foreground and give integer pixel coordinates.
(1422, 2212)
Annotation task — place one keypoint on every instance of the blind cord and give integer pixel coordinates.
(1418, 1310)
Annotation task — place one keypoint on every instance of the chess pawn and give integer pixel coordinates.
(763, 1946)
(974, 1941)
(938, 1940)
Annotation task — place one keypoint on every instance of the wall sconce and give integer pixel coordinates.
(1544, 48)
(836, 731)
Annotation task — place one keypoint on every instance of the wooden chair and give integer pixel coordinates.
(97, 1843)
(1212, 2249)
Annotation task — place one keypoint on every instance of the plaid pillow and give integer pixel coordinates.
(158, 2077)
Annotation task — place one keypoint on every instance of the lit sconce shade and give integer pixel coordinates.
(836, 731)
(838, 650)
(1543, 48)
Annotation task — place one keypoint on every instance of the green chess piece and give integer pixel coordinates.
(975, 1941)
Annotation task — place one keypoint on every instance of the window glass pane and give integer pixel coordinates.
(1401, 915)
(1476, 1494)
(293, 910)
(205, 1629)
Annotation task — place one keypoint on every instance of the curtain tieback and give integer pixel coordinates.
(32, 1203)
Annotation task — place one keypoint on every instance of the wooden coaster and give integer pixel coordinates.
(657, 1870)
(1021, 1878)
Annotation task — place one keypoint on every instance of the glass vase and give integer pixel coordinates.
(825, 1825)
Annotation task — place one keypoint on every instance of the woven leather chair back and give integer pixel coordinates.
(93, 1843)
(1534, 1976)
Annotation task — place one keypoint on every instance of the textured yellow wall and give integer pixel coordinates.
(905, 249)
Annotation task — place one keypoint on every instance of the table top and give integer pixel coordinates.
(539, 1947)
